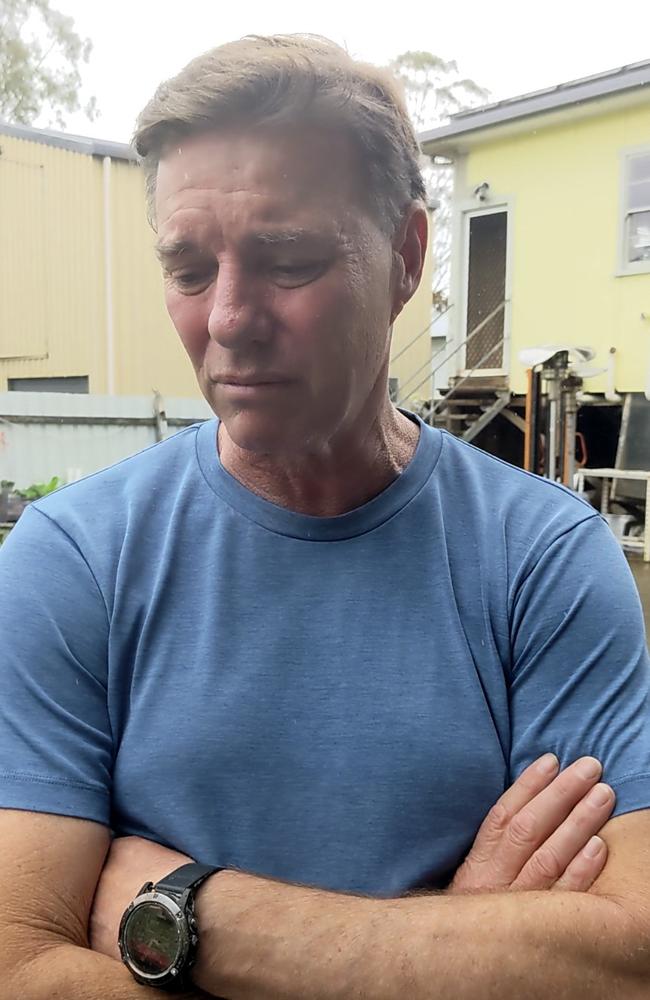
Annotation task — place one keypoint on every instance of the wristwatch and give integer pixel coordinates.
(158, 935)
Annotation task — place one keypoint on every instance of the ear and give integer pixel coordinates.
(409, 250)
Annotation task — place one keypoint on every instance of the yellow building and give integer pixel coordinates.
(551, 238)
(81, 305)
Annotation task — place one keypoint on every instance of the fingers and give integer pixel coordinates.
(565, 847)
(530, 783)
(541, 817)
(478, 870)
(585, 868)
(528, 815)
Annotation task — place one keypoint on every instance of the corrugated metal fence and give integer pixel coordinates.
(45, 434)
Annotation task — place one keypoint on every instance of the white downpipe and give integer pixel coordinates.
(108, 278)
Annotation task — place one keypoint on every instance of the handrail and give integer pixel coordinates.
(417, 371)
(477, 329)
(470, 336)
(445, 399)
(421, 333)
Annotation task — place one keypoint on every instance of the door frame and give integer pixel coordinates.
(468, 212)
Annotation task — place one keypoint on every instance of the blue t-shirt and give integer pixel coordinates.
(334, 701)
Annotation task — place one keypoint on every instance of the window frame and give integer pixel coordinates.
(625, 266)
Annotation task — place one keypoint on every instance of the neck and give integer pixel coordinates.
(333, 480)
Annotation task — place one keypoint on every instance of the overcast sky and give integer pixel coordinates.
(509, 46)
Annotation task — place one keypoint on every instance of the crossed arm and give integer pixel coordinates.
(271, 941)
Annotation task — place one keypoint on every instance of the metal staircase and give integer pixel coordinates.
(466, 415)
(470, 402)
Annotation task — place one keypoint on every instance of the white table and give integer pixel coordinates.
(609, 475)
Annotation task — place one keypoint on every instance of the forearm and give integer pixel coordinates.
(267, 941)
(65, 971)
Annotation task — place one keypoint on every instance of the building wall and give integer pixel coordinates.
(147, 352)
(54, 320)
(564, 186)
(412, 338)
(51, 275)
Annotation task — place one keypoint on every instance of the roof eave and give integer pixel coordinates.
(73, 143)
(450, 138)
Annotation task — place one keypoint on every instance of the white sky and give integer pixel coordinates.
(509, 46)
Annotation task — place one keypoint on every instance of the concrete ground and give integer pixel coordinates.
(641, 572)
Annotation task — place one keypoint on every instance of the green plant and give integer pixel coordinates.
(41, 59)
(38, 490)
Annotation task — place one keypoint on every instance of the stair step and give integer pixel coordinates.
(481, 383)
(476, 401)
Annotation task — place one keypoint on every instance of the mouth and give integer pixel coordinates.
(250, 385)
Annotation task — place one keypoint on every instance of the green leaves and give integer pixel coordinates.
(40, 59)
(434, 89)
(38, 490)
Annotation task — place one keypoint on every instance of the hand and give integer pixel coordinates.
(541, 834)
(130, 863)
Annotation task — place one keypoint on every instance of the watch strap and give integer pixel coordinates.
(186, 877)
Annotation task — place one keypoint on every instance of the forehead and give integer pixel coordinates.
(292, 179)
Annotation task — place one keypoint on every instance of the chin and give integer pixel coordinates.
(262, 433)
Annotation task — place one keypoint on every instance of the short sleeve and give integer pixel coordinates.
(56, 747)
(580, 669)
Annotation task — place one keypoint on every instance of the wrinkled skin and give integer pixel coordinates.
(283, 285)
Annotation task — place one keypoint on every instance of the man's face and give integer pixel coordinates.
(278, 281)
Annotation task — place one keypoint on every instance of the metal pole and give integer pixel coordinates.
(551, 437)
(528, 464)
(569, 447)
(536, 416)
(572, 385)
(554, 373)
(561, 434)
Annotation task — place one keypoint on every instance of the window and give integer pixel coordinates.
(636, 230)
(65, 383)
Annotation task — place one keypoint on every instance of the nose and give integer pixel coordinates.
(237, 314)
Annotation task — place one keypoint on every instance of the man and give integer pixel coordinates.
(311, 643)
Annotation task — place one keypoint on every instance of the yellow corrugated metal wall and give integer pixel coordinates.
(54, 320)
(51, 289)
(148, 354)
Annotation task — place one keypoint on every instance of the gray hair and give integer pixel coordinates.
(287, 79)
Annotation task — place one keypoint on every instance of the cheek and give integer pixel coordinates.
(319, 334)
(188, 314)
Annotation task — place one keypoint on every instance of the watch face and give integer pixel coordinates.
(152, 938)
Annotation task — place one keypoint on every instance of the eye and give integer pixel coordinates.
(193, 281)
(294, 275)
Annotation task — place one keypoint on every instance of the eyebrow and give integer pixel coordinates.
(166, 251)
(293, 237)
(282, 236)
(174, 248)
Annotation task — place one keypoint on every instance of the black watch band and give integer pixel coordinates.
(186, 878)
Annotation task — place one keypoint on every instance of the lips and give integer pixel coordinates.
(240, 384)
(251, 381)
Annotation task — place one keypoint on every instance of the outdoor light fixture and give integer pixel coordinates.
(481, 191)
